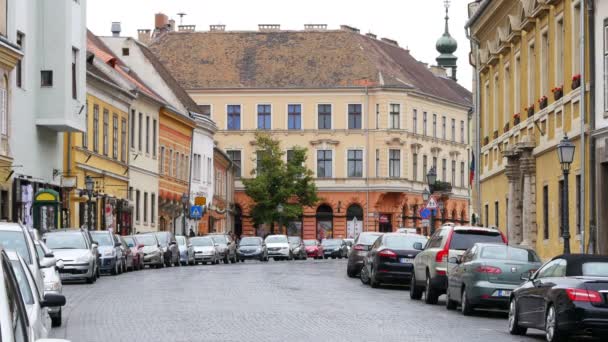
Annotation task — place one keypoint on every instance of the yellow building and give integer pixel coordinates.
(101, 153)
(529, 96)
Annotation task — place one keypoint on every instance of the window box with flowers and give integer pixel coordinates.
(516, 119)
(576, 81)
(542, 102)
(486, 140)
(558, 92)
(530, 111)
(495, 134)
(506, 128)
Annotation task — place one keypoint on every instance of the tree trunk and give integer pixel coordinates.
(272, 228)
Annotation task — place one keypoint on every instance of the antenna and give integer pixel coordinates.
(182, 15)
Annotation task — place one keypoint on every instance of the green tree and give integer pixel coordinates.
(275, 182)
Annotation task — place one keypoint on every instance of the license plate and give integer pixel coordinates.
(502, 293)
(406, 261)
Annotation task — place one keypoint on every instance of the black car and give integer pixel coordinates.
(361, 246)
(391, 259)
(334, 248)
(252, 247)
(567, 296)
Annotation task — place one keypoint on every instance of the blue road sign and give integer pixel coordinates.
(196, 212)
(425, 213)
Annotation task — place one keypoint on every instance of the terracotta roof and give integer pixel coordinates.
(296, 59)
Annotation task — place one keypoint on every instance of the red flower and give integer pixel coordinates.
(576, 77)
(516, 115)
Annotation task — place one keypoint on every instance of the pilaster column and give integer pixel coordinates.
(528, 167)
(513, 173)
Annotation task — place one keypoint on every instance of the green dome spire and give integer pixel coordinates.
(446, 45)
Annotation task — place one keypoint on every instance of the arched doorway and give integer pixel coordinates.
(238, 221)
(325, 222)
(354, 221)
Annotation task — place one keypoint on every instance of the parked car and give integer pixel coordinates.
(334, 248)
(52, 281)
(406, 230)
(430, 265)
(14, 236)
(169, 247)
(349, 245)
(129, 264)
(225, 246)
(391, 259)
(137, 250)
(278, 247)
(15, 322)
(486, 274)
(362, 245)
(313, 249)
(252, 247)
(153, 253)
(78, 255)
(186, 251)
(205, 250)
(567, 296)
(112, 259)
(298, 250)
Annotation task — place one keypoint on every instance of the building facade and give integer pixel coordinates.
(222, 209)
(201, 168)
(529, 96)
(374, 119)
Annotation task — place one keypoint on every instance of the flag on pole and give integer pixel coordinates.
(472, 170)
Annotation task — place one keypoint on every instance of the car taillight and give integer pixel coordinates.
(359, 248)
(387, 253)
(442, 255)
(488, 269)
(581, 295)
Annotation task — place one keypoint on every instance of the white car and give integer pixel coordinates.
(278, 247)
(52, 281)
(205, 250)
(13, 236)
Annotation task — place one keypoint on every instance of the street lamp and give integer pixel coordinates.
(280, 211)
(565, 153)
(431, 177)
(90, 186)
(185, 207)
(426, 195)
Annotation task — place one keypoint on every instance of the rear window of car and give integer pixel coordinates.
(595, 269)
(402, 242)
(367, 239)
(508, 253)
(15, 240)
(465, 239)
(65, 241)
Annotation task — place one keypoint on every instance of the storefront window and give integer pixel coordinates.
(325, 222)
(354, 221)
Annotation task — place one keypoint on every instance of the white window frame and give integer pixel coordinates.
(507, 93)
(355, 148)
(531, 73)
(545, 61)
(559, 49)
(399, 116)
(486, 107)
(241, 128)
(517, 83)
(575, 30)
(388, 162)
(333, 162)
(495, 101)
(331, 106)
(257, 114)
(363, 126)
(287, 116)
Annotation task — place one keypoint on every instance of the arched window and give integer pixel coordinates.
(354, 221)
(453, 216)
(463, 216)
(325, 222)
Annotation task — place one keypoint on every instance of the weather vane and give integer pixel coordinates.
(446, 3)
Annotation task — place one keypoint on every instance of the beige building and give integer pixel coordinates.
(373, 118)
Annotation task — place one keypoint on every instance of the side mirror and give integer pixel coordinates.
(94, 244)
(173, 243)
(141, 245)
(59, 264)
(47, 262)
(418, 246)
(117, 244)
(527, 276)
(454, 260)
(52, 299)
(49, 255)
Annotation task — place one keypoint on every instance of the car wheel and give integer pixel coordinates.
(466, 307)
(290, 256)
(364, 275)
(97, 272)
(430, 295)
(114, 270)
(415, 291)
(552, 331)
(90, 279)
(56, 319)
(514, 327)
(372, 279)
(226, 259)
(350, 272)
(449, 303)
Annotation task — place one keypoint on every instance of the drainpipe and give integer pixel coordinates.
(592, 171)
(367, 162)
(581, 43)
(477, 137)
(69, 161)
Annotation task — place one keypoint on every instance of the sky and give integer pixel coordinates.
(415, 24)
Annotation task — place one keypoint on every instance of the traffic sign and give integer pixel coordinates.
(432, 204)
(199, 200)
(425, 213)
(196, 212)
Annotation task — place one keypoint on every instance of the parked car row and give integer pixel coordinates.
(476, 269)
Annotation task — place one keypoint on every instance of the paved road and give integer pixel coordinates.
(274, 301)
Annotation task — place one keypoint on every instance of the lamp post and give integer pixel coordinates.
(185, 207)
(89, 185)
(280, 211)
(431, 178)
(565, 153)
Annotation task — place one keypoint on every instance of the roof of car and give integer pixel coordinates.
(485, 229)
(404, 235)
(574, 266)
(489, 244)
(8, 226)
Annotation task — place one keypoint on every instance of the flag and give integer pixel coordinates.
(472, 170)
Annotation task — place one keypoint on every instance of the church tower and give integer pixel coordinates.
(446, 46)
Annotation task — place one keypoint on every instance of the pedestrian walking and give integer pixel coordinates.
(191, 234)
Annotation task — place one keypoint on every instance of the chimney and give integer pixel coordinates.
(143, 35)
(269, 27)
(171, 26)
(438, 71)
(161, 21)
(390, 41)
(116, 29)
(349, 28)
(315, 27)
(371, 35)
(217, 28)
(186, 28)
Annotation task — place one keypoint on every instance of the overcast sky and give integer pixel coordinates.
(415, 24)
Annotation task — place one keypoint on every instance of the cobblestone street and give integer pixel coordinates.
(275, 301)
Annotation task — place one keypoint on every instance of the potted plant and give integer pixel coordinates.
(530, 111)
(516, 119)
(576, 81)
(558, 92)
(542, 102)
(495, 135)
(506, 128)
(486, 141)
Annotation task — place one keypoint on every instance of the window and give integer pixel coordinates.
(289, 156)
(377, 115)
(324, 116)
(123, 141)
(462, 131)
(425, 168)
(443, 127)
(176, 172)
(235, 156)
(544, 64)
(355, 163)
(125, 51)
(258, 161)
(195, 167)
(85, 133)
(424, 123)
(137, 208)
(415, 167)
(170, 163)
(324, 161)
(415, 121)
(354, 116)
(444, 166)
(531, 74)
(294, 116)
(154, 137)
(46, 78)
(453, 173)
(106, 127)
(133, 128)
(496, 214)
(507, 95)
(516, 84)
(546, 212)
(495, 99)
(435, 163)
(486, 109)
(95, 128)
(462, 184)
(576, 29)
(161, 162)
(453, 129)
(559, 52)
(264, 117)
(19, 67)
(560, 204)
(234, 117)
(434, 125)
(145, 207)
(152, 207)
(395, 116)
(394, 163)
(205, 109)
(487, 215)
(139, 130)
(74, 73)
(115, 136)
(147, 134)
(377, 163)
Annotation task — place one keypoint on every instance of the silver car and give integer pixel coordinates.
(205, 250)
(153, 253)
(186, 251)
(14, 236)
(112, 258)
(52, 281)
(363, 243)
(78, 256)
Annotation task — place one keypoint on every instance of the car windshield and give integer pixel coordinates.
(465, 239)
(130, 241)
(595, 269)
(331, 242)
(147, 240)
(162, 239)
(402, 242)
(65, 241)
(221, 239)
(24, 285)
(276, 239)
(202, 242)
(15, 240)
(294, 240)
(103, 239)
(310, 242)
(251, 241)
(508, 253)
(367, 239)
(181, 240)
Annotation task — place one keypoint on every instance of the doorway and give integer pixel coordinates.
(325, 222)
(238, 221)
(384, 223)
